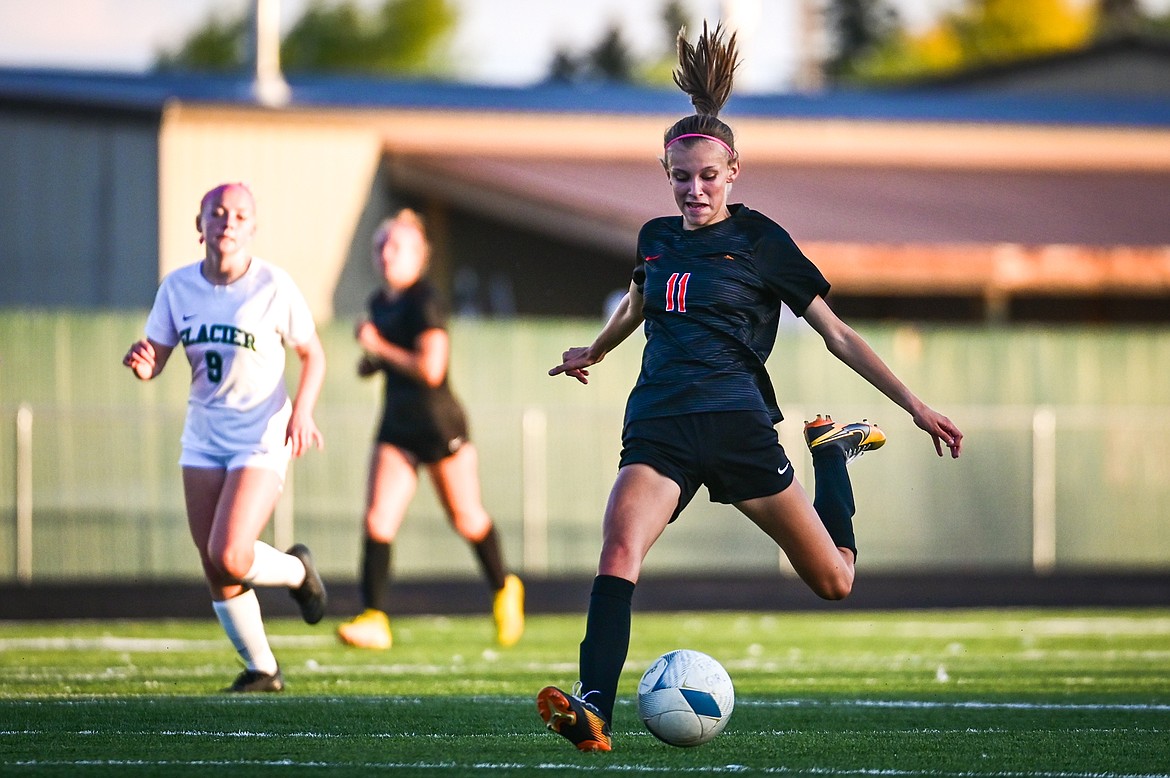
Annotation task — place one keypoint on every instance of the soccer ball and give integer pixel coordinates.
(685, 698)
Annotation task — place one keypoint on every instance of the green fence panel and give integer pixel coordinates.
(107, 497)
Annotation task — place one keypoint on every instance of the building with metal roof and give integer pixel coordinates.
(919, 203)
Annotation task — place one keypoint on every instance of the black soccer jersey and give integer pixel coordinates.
(711, 300)
(411, 406)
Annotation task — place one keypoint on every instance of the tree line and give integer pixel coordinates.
(868, 42)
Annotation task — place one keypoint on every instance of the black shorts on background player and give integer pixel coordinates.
(428, 422)
(423, 427)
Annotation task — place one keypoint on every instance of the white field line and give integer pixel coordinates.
(1023, 630)
(592, 767)
(957, 705)
(1020, 628)
(151, 645)
(158, 675)
(354, 671)
(171, 645)
(738, 734)
(235, 702)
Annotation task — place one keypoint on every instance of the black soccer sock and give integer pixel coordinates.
(491, 559)
(607, 640)
(375, 573)
(833, 498)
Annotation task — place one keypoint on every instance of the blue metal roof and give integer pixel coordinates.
(149, 92)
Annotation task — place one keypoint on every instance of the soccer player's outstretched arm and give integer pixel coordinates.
(845, 344)
(625, 319)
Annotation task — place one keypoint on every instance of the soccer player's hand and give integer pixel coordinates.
(573, 364)
(367, 336)
(303, 434)
(367, 366)
(141, 360)
(942, 430)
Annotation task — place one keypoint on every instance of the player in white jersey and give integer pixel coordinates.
(234, 315)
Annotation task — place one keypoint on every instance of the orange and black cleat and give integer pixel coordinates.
(852, 439)
(579, 722)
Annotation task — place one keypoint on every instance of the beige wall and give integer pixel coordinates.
(986, 146)
(311, 174)
(315, 176)
(316, 172)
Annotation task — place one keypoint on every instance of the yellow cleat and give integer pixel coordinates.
(370, 629)
(508, 609)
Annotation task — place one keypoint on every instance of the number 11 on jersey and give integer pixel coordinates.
(676, 292)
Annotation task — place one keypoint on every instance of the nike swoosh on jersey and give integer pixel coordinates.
(783, 470)
(651, 259)
(189, 316)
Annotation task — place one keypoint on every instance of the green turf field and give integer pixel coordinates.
(1010, 693)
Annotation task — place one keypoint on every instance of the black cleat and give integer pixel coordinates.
(310, 595)
(256, 681)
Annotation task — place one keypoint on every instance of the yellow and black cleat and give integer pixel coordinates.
(853, 439)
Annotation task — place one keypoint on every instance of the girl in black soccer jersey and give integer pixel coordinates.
(709, 286)
(405, 339)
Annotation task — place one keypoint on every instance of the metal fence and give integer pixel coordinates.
(1064, 467)
(95, 493)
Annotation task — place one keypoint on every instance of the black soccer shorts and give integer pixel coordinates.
(736, 454)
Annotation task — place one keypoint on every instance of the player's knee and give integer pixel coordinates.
(232, 563)
(836, 592)
(382, 524)
(217, 578)
(472, 525)
(835, 586)
(620, 559)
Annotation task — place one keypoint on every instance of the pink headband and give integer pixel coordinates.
(730, 151)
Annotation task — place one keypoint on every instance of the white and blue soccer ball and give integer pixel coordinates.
(685, 698)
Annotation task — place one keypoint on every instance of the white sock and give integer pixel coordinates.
(240, 619)
(274, 568)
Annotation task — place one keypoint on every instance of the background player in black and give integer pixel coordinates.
(405, 339)
(708, 287)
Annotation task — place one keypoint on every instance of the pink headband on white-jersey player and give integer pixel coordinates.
(730, 151)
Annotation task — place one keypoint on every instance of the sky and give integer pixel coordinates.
(504, 42)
